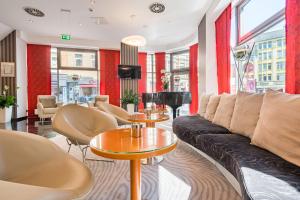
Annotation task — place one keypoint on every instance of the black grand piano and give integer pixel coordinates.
(172, 99)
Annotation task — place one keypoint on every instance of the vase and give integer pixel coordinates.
(130, 108)
(5, 114)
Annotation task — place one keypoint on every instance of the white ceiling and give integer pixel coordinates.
(175, 27)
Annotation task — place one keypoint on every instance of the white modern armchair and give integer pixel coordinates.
(119, 113)
(80, 124)
(99, 99)
(47, 106)
(34, 168)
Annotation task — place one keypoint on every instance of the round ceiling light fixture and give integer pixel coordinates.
(34, 12)
(134, 40)
(157, 7)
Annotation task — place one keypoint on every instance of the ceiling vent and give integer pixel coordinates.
(157, 7)
(100, 20)
(34, 12)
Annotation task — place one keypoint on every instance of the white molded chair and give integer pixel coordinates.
(119, 113)
(80, 124)
(34, 168)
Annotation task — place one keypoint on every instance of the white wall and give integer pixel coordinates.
(212, 14)
(21, 65)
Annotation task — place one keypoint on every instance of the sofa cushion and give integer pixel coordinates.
(261, 174)
(212, 107)
(204, 99)
(224, 111)
(278, 127)
(246, 113)
(187, 127)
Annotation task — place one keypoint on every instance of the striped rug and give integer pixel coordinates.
(183, 175)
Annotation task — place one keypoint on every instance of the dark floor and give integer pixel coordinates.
(32, 126)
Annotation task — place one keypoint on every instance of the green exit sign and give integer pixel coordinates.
(65, 37)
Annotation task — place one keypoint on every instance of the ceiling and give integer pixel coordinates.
(175, 27)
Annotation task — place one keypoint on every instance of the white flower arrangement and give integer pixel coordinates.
(165, 79)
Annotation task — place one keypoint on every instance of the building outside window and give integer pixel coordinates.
(74, 75)
(267, 31)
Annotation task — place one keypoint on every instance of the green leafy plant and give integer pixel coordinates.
(6, 100)
(130, 98)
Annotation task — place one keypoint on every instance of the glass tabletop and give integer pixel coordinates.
(154, 117)
(120, 141)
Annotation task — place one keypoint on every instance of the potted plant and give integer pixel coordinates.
(130, 100)
(6, 104)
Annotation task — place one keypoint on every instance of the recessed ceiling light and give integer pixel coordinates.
(134, 40)
(80, 24)
(157, 7)
(34, 12)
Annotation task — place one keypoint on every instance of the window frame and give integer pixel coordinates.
(60, 67)
(264, 26)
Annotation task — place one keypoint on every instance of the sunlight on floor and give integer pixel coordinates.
(171, 187)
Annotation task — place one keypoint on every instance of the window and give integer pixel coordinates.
(270, 55)
(70, 84)
(77, 58)
(265, 56)
(279, 54)
(180, 79)
(270, 43)
(266, 30)
(269, 77)
(250, 23)
(269, 66)
(151, 76)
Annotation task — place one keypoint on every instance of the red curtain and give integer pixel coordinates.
(194, 78)
(143, 80)
(160, 62)
(292, 46)
(38, 74)
(223, 26)
(109, 80)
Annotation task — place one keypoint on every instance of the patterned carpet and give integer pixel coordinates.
(183, 175)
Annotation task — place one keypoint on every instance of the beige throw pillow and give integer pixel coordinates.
(224, 111)
(212, 107)
(246, 113)
(278, 127)
(204, 99)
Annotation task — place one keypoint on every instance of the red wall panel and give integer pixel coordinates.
(38, 74)
(223, 27)
(109, 81)
(143, 80)
(194, 78)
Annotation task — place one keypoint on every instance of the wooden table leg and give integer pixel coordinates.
(150, 124)
(135, 179)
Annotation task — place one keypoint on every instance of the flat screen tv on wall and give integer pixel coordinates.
(129, 72)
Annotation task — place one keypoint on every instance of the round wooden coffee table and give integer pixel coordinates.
(118, 144)
(149, 120)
